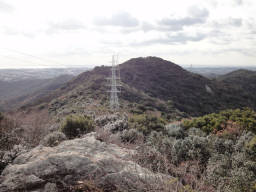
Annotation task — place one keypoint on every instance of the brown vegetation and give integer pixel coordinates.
(23, 128)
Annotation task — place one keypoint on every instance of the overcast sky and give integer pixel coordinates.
(56, 33)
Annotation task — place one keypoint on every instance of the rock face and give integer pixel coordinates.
(45, 168)
(7, 157)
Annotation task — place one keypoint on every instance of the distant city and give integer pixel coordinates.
(47, 73)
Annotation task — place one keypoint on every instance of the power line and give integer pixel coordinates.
(36, 57)
(24, 61)
(44, 60)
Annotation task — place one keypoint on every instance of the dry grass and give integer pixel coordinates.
(9, 134)
(24, 128)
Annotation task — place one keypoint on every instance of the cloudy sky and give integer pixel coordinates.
(55, 33)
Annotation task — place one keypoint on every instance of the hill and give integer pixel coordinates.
(242, 83)
(149, 84)
(217, 71)
(238, 76)
(167, 81)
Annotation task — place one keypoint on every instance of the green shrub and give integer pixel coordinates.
(146, 123)
(245, 119)
(190, 148)
(75, 125)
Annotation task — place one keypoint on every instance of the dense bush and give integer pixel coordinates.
(242, 141)
(131, 136)
(146, 123)
(190, 148)
(220, 145)
(231, 172)
(161, 142)
(152, 159)
(218, 169)
(232, 166)
(174, 130)
(242, 179)
(75, 125)
(242, 119)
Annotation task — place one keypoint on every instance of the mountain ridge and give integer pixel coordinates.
(149, 83)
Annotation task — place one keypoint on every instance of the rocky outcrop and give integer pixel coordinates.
(7, 157)
(51, 168)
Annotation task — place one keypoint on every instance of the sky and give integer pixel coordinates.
(83, 33)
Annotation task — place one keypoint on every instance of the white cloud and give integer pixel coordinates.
(196, 16)
(122, 19)
(5, 7)
(64, 26)
(86, 32)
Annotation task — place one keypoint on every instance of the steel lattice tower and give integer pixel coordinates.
(114, 84)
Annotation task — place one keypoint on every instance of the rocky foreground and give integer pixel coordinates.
(49, 169)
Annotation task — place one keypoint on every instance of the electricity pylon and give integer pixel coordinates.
(115, 84)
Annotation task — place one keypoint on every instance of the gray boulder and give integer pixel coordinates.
(45, 168)
(50, 187)
(7, 157)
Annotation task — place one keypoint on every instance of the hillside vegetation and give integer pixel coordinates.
(215, 152)
(227, 120)
(150, 84)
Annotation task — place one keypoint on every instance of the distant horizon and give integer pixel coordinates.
(91, 67)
